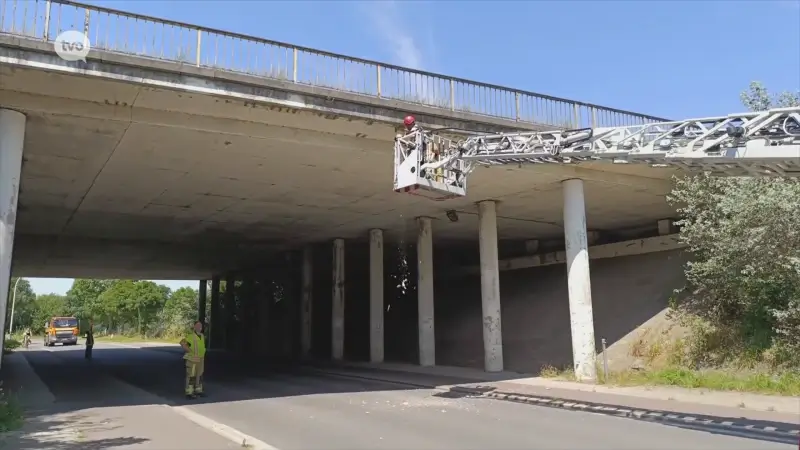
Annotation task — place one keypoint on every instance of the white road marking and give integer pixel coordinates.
(117, 344)
(223, 430)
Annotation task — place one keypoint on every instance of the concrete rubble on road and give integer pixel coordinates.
(767, 413)
(50, 424)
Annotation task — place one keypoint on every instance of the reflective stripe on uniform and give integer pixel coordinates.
(194, 341)
(195, 346)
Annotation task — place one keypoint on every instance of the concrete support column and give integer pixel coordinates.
(12, 137)
(214, 323)
(579, 284)
(376, 296)
(490, 287)
(201, 301)
(337, 311)
(427, 336)
(245, 334)
(305, 306)
(229, 302)
(290, 297)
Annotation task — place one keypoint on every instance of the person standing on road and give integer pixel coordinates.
(194, 347)
(89, 341)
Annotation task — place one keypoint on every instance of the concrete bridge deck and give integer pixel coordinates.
(157, 163)
(131, 148)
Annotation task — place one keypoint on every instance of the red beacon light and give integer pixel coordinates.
(409, 122)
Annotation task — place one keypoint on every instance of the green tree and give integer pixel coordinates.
(149, 299)
(82, 298)
(180, 311)
(47, 306)
(758, 98)
(132, 304)
(111, 309)
(744, 277)
(23, 304)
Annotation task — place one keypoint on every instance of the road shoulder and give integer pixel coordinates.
(151, 424)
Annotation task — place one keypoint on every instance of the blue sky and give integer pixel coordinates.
(670, 59)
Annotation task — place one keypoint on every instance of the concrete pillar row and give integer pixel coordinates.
(214, 321)
(578, 282)
(376, 274)
(12, 138)
(306, 301)
(337, 328)
(230, 305)
(490, 287)
(201, 301)
(427, 335)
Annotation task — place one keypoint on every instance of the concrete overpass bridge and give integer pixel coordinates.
(178, 151)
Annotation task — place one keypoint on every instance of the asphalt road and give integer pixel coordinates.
(290, 408)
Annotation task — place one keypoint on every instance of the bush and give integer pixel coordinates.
(10, 344)
(743, 283)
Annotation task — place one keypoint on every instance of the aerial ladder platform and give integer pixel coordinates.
(437, 163)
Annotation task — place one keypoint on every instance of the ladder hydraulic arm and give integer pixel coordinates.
(752, 144)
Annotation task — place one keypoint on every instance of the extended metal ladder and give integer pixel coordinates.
(751, 144)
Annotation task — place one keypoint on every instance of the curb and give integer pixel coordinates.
(483, 391)
(637, 413)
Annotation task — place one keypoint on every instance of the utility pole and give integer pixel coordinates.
(13, 304)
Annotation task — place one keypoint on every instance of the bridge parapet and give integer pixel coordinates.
(147, 37)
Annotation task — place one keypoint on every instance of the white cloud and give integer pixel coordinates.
(390, 25)
(401, 31)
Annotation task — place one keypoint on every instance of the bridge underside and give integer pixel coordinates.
(145, 169)
(107, 160)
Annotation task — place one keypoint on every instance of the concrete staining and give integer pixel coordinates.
(626, 292)
(130, 154)
(12, 136)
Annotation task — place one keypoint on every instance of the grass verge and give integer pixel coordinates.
(786, 383)
(11, 417)
(123, 339)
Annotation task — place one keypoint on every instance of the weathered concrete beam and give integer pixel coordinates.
(666, 227)
(614, 250)
(646, 184)
(78, 257)
(531, 246)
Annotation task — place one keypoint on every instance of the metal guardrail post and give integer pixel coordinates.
(13, 16)
(47, 6)
(378, 79)
(516, 106)
(198, 47)
(605, 360)
(576, 111)
(294, 64)
(594, 117)
(452, 95)
(86, 22)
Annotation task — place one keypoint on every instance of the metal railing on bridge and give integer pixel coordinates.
(149, 37)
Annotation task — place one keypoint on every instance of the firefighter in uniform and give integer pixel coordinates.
(194, 348)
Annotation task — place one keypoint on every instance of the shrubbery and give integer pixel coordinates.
(742, 297)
